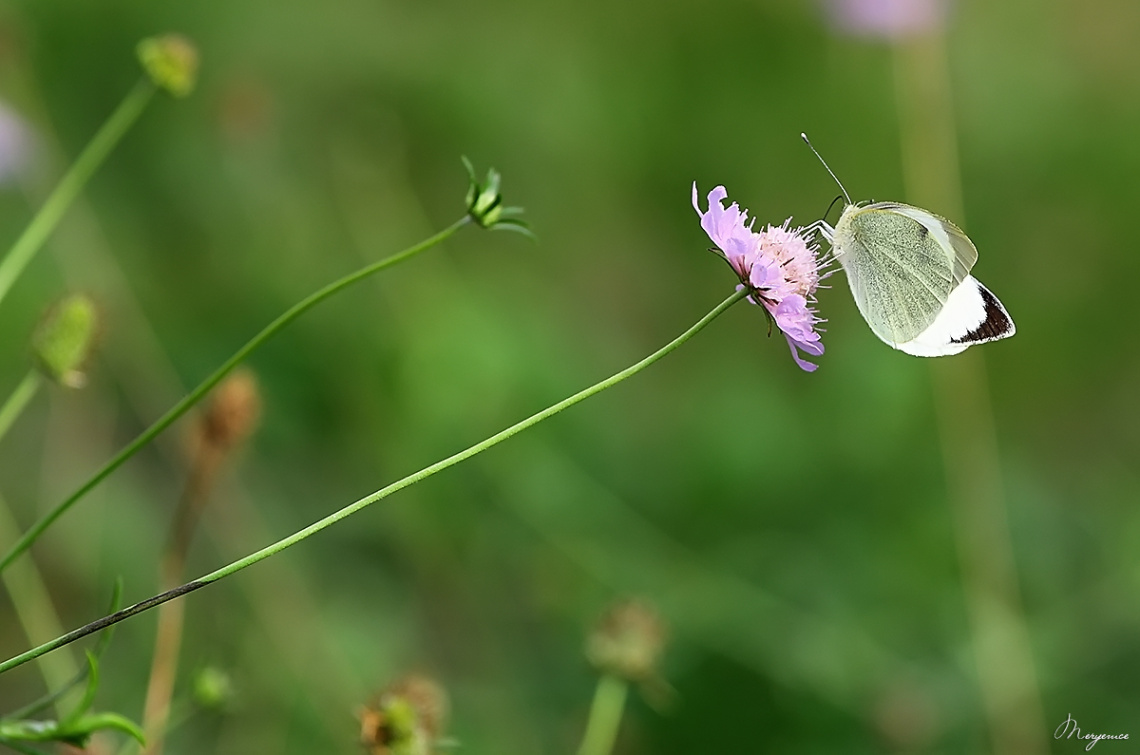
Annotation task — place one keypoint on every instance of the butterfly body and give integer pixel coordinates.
(909, 271)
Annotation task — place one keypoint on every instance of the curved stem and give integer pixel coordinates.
(72, 183)
(352, 508)
(204, 387)
(605, 716)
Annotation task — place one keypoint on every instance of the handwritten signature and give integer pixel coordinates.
(1070, 730)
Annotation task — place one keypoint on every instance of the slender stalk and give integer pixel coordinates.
(72, 183)
(163, 671)
(352, 508)
(30, 598)
(605, 716)
(223, 426)
(204, 387)
(33, 607)
(1003, 657)
(18, 400)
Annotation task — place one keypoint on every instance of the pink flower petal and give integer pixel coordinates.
(779, 265)
(803, 364)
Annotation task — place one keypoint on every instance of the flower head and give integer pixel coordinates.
(406, 719)
(232, 414)
(485, 203)
(779, 266)
(628, 641)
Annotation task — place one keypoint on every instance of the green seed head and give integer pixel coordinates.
(171, 61)
(64, 338)
(212, 688)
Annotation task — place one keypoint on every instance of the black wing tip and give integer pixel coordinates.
(996, 325)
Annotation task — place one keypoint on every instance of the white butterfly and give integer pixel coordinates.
(909, 271)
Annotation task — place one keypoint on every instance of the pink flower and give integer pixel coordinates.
(887, 19)
(778, 265)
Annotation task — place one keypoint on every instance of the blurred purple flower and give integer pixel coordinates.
(778, 265)
(887, 19)
(15, 144)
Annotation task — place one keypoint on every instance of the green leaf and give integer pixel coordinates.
(88, 693)
(29, 731)
(115, 604)
(75, 731)
(518, 226)
(79, 732)
(49, 699)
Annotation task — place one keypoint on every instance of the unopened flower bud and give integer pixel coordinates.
(485, 203)
(64, 338)
(171, 61)
(233, 412)
(628, 641)
(407, 718)
(212, 688)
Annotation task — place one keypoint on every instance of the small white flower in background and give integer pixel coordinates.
(887, 19)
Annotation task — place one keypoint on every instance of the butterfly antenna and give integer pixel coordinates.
(832, 205)
(825, 165)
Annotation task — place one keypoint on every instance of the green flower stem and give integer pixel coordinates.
(195, 395)
(18, 400)
(25, 586)
(605, 716)
(32, 604)
(352, 508)
(72, 183)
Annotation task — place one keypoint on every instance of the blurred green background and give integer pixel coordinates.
(795, 530)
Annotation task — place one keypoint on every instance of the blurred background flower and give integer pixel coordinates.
(15, 144)
(628, 641)
(407, 718)
(887, 19)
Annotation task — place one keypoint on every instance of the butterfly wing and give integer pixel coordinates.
(902, 263)
(972, 315)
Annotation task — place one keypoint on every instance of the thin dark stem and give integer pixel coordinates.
(352, 508)
(103, 623)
